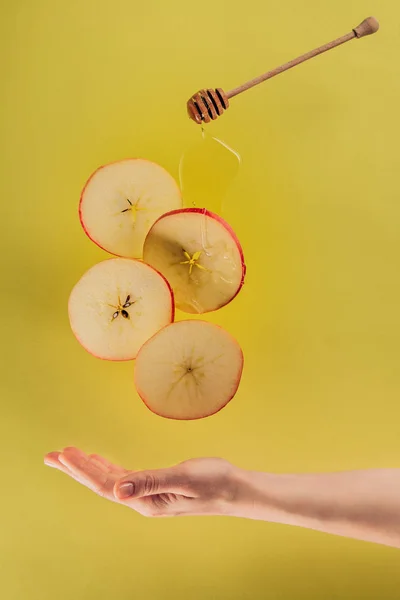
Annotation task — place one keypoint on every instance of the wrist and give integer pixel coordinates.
(282, 498)
(268, 497)
(256, 495)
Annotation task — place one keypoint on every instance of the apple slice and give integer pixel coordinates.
(200, 256)
(117, 305)
(122, 200)
(188, 370)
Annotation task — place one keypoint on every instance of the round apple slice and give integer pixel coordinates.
(122, 200)
(117, 305)
(200, 256)
(188, 370)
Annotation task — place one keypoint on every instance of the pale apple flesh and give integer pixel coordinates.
(122, 200)
(117, 305)
(188, 370)
(200, 256)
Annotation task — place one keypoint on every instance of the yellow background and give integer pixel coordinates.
(317, 208)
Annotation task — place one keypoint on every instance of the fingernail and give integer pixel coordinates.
(125, 490)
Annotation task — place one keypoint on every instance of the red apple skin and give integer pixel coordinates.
(208, 213)
(133, 357)
(83, 193)
(239, 377)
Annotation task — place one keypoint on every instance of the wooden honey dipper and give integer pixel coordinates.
(207, 105)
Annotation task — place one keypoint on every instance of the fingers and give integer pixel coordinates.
(52, 460)
(90, 471)
(149, 483)
(93, 471)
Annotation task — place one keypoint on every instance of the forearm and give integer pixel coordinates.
(358, 504)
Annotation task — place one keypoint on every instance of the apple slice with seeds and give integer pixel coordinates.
(117, 305)
(200, 256)
(122, 200)
(188, 370)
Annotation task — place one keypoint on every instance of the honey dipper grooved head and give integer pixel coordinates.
(207, 105)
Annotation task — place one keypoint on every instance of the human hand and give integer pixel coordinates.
(358, 504)
(200, 486)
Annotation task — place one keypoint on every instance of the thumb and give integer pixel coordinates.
(148, 483)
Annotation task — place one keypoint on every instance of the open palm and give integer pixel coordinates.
(197, 486)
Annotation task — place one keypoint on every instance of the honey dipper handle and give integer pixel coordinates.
(367, 27)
